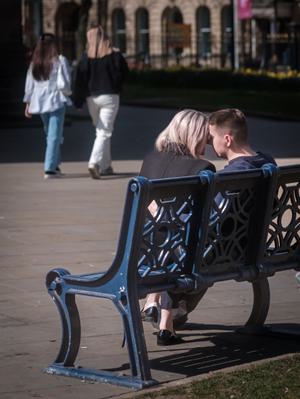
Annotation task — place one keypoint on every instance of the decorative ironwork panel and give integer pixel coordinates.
(166, 236)
(229, 228)
(284, 228)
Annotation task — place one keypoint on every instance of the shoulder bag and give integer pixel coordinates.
(63, 84)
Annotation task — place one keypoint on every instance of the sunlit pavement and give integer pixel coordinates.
(73, 222)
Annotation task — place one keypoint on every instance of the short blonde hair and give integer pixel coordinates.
(98, 44)
(186, 133)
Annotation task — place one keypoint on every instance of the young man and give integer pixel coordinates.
(229, 138)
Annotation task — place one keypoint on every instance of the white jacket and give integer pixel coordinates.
(44, 96)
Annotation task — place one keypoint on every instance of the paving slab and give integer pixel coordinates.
(74, 222)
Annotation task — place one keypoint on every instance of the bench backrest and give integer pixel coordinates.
(214, 226)
(171, 230)
(237, 224)
(283, 239)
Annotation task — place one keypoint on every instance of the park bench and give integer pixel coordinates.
(208, 228)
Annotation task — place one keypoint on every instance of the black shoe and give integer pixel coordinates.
(166, 337)
(150, 314)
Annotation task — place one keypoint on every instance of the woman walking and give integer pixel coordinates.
(98, 79)
(47, 88)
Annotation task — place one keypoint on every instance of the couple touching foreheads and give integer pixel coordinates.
(179, 151)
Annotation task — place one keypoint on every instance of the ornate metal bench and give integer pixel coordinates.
(207, 228)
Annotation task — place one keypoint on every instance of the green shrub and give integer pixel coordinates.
(215, 79)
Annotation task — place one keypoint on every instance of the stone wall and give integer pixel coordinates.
(251, 34)
(188, 9)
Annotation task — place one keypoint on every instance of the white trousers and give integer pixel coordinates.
(103, 110)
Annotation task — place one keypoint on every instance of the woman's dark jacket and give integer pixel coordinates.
(96, 76)
(158, 165)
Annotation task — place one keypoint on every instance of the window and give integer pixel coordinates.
(204, 32)
(142, 32)
(119, 30)
(226, 20)
(226, 44)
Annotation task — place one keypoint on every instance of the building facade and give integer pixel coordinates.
(160, 33)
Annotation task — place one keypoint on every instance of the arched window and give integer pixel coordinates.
(203, 32)
(142, 32)
(119, 29)
(226, 23)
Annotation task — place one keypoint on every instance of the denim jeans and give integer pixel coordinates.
(103, 110)
(53, 125)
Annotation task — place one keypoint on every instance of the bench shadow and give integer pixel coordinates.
(222, 349)
(219, 347)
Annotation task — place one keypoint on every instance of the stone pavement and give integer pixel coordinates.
(135, 131)
(74, 223)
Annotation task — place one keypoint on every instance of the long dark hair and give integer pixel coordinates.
(43, 56)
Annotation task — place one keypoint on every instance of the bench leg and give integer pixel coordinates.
(70, 320)
(255, 324)
(261, 302)
(260, 308)
(71, 330)
(64, 363)
(135, 340)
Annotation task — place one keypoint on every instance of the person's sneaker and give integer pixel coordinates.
(51, 175)
(166, 337)
(94, 171)
(108, 171)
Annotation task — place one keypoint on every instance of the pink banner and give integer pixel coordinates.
(244, 9)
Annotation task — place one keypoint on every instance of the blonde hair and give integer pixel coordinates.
(98, 44)
(187, 133)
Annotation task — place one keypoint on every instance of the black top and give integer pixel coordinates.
(249, 162)
(96, 76)
(158, 165)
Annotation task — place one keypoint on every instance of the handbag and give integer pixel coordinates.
(63, 84)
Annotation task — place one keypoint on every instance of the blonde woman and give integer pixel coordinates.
(98, 80)
(179, 151)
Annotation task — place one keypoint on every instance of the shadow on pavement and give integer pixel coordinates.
(218, 347)
(224, 349)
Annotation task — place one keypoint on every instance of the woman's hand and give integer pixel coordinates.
(27, 113)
